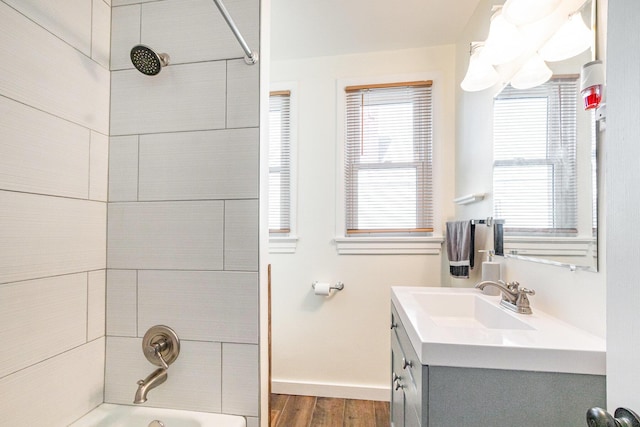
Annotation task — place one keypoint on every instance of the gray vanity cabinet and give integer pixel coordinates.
(439, 396)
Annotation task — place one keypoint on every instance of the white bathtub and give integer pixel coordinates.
(108, 415)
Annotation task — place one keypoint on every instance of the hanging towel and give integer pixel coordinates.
(460, 247)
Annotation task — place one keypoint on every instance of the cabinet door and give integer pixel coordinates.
(411, 417)
(397, 393)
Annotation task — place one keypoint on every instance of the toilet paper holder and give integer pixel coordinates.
(337, 287)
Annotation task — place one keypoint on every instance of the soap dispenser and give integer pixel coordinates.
(491, 270)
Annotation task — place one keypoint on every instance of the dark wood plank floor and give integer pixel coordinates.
(309, 411)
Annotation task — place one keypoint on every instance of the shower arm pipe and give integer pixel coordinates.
(251, 57)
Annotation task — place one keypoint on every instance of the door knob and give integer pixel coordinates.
(598, 417)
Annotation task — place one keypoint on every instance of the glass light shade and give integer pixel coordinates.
(571, 39)
(523, 12)
(534, 72)
(505, 42)
(480, 74)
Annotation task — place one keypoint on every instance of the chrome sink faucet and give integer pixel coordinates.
(514, 297)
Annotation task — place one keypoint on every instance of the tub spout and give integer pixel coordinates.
(156, 378)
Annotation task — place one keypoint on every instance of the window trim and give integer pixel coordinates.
(388, 245)
(286, 243)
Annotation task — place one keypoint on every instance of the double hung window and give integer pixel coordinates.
(388, 159)
(280, 163)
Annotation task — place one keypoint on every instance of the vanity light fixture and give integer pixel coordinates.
(571, 39)
(505, 42)
(523, 12)
(523, 34)
(534, 72)
(481, 74)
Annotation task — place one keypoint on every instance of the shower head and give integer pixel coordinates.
(147, 61)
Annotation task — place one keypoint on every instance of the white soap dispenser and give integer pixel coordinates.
(491, 270)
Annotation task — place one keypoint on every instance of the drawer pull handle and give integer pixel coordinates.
(398, 384)
(406, 363)
(394, 325)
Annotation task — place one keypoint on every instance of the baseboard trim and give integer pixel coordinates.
(342, 391)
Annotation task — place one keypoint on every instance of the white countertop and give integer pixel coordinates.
(546, 344)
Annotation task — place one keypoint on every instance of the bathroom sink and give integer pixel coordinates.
(467, 311)
(462, 327)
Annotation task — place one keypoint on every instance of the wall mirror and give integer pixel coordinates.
(545, 167)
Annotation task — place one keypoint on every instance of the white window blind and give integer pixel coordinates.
(388, 159)
(534, 151)
(280, 162)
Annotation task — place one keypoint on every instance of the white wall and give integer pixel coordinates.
(339, 346)
(183, 205)
(54, 115)
(577, 297)
(623, 205)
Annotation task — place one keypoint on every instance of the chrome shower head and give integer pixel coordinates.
(147, 61)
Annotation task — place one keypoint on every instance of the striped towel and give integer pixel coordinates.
(460, 248)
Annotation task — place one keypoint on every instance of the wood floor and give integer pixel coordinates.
(309, 411)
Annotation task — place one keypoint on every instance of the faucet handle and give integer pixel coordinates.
(516, 289)
(161, 346)
(150, 351)
(155, 350)
(522, 300)
(513, 286)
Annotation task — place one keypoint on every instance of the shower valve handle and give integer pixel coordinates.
(161, 346)
(155, 350)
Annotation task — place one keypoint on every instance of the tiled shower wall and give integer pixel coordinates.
(54, 123)
(183, 205)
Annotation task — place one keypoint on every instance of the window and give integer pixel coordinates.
(534, 151)
(280, 163)
(388, 159)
